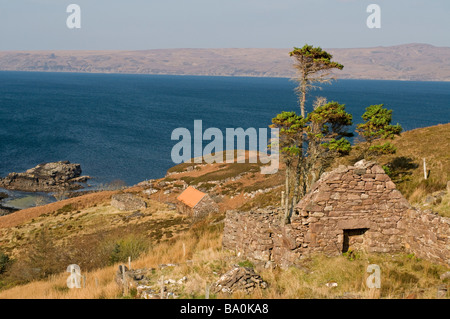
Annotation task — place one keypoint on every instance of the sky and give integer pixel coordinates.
(160, 24)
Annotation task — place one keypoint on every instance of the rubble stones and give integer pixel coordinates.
(239, 279)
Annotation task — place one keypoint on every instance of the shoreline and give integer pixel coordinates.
(217, 76)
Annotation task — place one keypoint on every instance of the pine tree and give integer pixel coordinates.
(376, 128)
(313, 65)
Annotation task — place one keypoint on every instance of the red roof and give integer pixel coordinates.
(191, 196)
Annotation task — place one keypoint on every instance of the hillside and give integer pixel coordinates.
(405, 167)
(88, 231)
(418, 62)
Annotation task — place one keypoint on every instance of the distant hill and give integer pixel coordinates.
(420, 62)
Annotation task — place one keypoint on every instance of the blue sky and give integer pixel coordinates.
(157, 24)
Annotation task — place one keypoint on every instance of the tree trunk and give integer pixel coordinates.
(298, 172)
(303, 100)
(287, 202)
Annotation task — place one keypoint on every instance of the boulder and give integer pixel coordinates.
(46, 177)
(127, 201)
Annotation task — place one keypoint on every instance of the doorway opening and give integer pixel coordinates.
(353, 239)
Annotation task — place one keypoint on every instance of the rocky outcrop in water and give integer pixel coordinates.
(46, 177)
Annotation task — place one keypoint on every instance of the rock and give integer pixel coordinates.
(3, 196)
(127, 201)
(46, 177)
(445, 275)
(239, 278)
(331, 284)
(133, 277)
(7, 210)
(162, 266)
(442, 291)
(135, 214)
(150, 191)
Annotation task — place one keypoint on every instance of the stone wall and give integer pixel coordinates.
(250, 233)
(351, 208)
(202, 209)
(127, 201)
(427, 235)
(360, 197)
(205, 207)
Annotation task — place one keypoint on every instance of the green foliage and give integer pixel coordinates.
(313, 65)
(246, 264)
(377, 126)
(5, 261)
(65, 209)
(291, 128)
(328, 126)
(386, 148)
(131, 246)
(352, 255)
(315, 56)
(44, 258)
(332, 116)
(341, 146)
(387, 170)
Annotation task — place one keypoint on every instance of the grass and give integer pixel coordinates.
(443, 208)
(431, 144)
(405, 167)
(198, 255)
(92, 228)
(226, 172)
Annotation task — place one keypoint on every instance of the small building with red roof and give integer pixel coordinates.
(194, 203)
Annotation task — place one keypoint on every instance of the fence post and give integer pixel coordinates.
(425, 175)
(207, 291)
(162, 287)
(124, 280)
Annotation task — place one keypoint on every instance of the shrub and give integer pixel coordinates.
(5, 261)
(131, 246)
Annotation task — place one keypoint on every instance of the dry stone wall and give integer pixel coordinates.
(127, 201)
(351, 208)
(205, 207)
(427, 235)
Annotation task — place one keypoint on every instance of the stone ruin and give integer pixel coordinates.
(127, 202)
(351, 208)
(239, 278)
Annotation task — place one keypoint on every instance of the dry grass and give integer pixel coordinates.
(81, 202)
(406, 165)
(430, 143)
(56, 288)
(199, 256)
(201, 243)
(198, 250)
